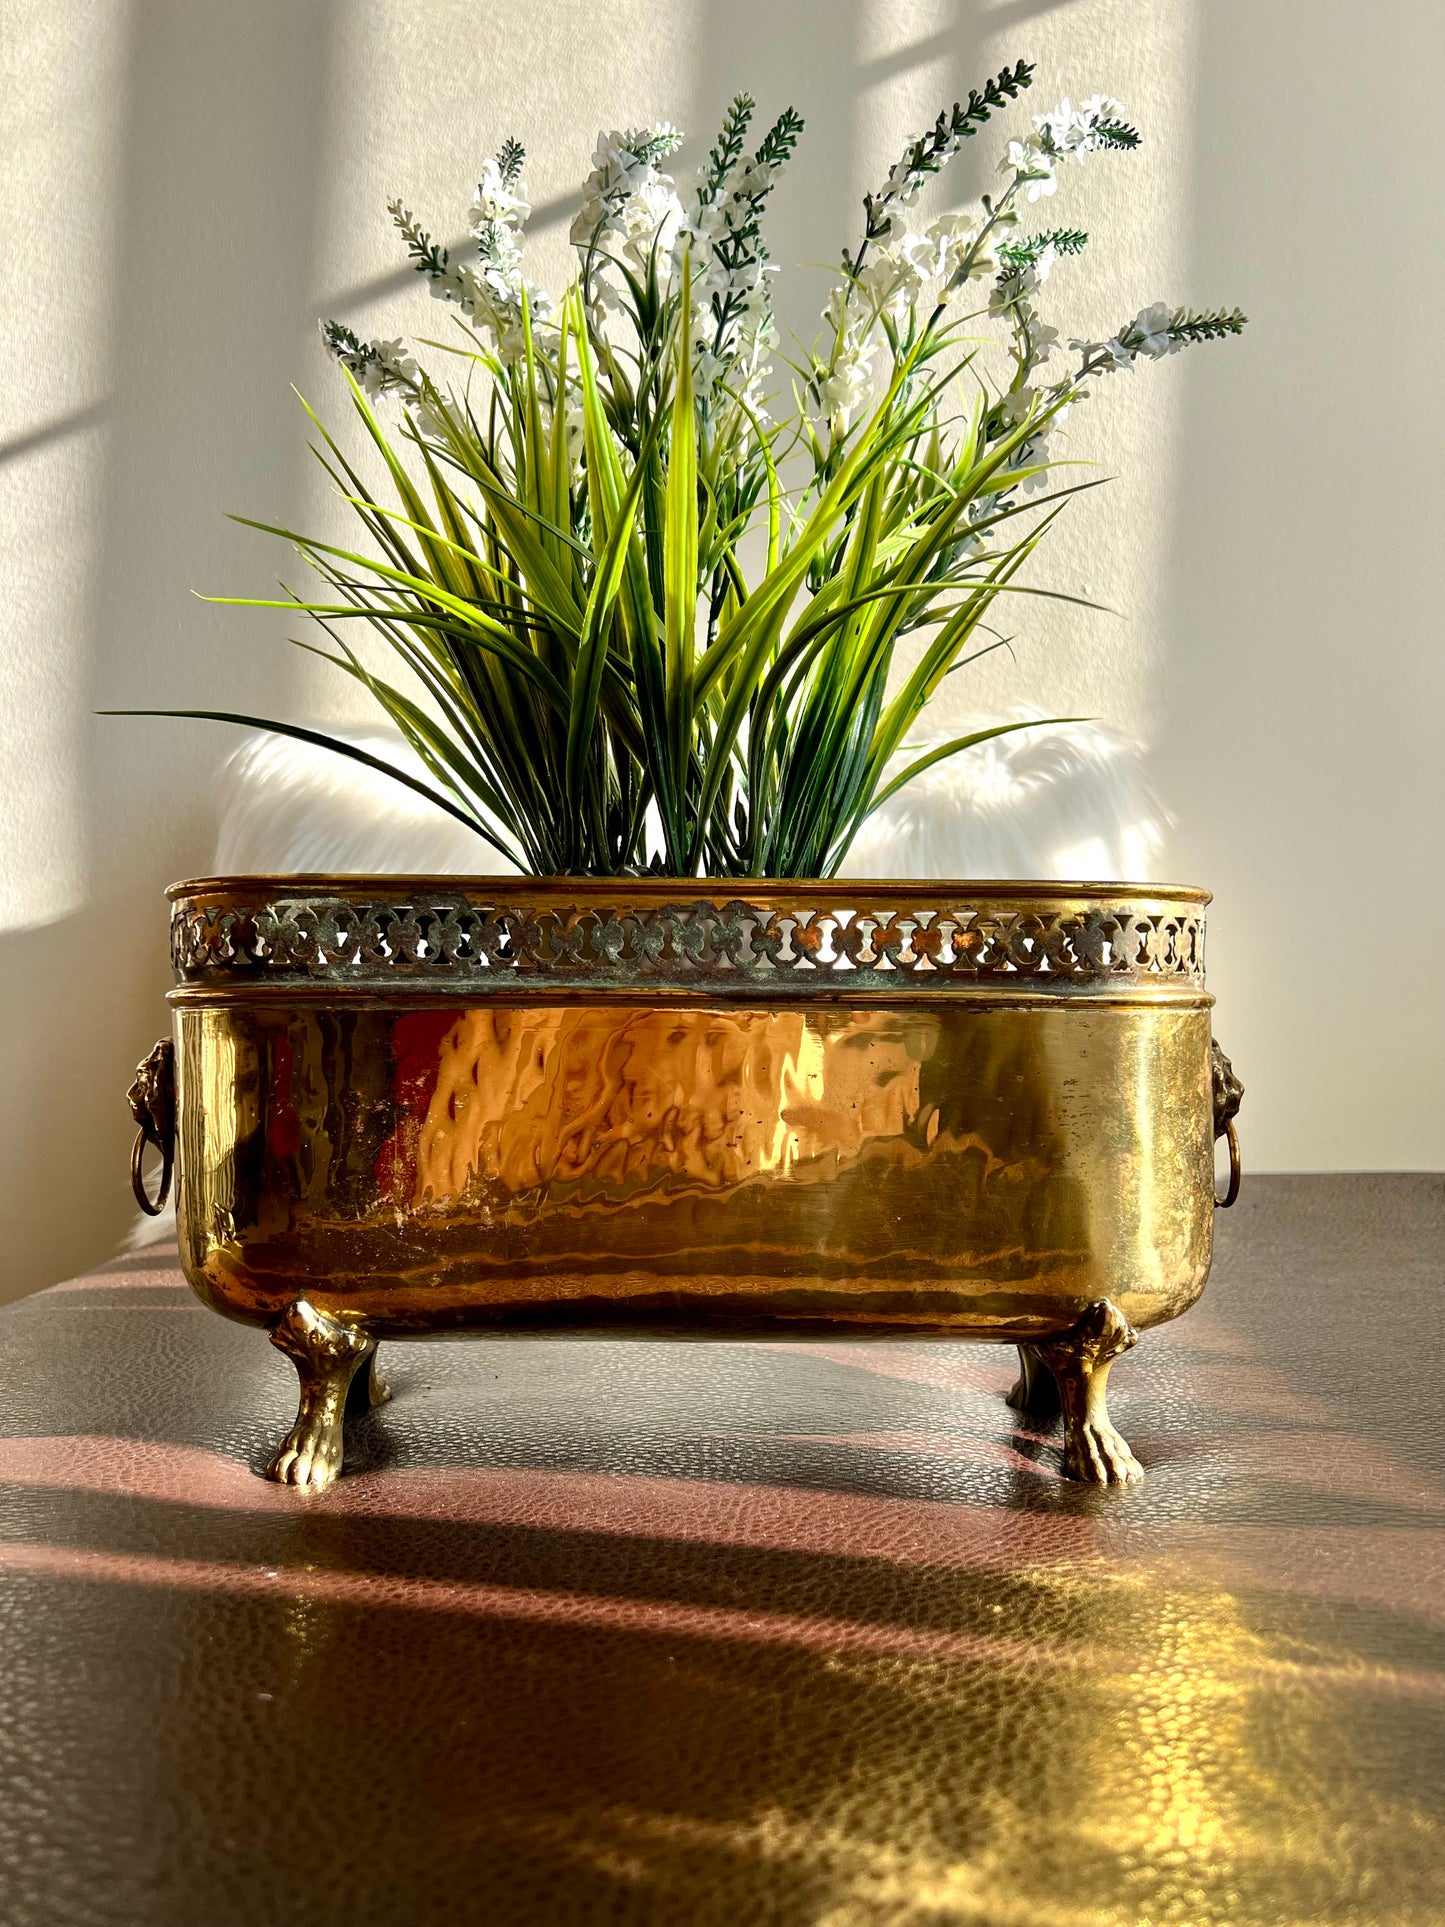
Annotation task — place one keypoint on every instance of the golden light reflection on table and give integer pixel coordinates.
(1138, 1753)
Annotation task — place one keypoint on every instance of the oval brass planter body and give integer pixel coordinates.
(753, 1109)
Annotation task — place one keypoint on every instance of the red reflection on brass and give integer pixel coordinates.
(416, 1040)
(530, 1098)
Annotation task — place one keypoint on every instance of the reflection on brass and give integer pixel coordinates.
(326, 1354)
(153, 1105)
(542, 1098)
(981, 1111)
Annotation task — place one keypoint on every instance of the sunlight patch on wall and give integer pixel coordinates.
(1111, 546)
(48, 502)
(58, 140)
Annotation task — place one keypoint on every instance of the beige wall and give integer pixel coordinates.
(189, 183)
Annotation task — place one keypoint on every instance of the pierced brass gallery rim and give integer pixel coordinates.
(717, 937)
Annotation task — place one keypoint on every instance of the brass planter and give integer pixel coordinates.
(406, 1106)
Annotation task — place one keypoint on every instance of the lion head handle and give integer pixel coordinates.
(1227, 1089)
(1227, 1094)
(153, 1105)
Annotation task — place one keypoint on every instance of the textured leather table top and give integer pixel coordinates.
(713, 1635)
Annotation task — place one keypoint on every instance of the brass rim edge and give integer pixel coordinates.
(705, 996)
(927, 893)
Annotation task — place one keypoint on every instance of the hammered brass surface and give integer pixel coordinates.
(946, 1167)
(612, 1635)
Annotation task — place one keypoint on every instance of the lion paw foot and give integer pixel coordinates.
(1095, 1454)
(309, 1456)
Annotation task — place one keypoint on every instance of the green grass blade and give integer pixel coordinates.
(679, 545)
(351, 750)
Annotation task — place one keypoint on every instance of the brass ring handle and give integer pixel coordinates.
(153, 1106)
(137, 1176)
(1223, 1204)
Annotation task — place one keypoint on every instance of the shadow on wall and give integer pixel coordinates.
(214, 213)
(212, 307)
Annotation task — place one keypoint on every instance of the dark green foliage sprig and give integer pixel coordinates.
(727, 147)
(361, 357)
(776, 147)
(1186, 326)
(931, 152)
(1104, 131)
(342, 340)
(1208, 324)
(1117, 133)
(658, 146)
(1023, 253)
(986, 100)
(510, 157)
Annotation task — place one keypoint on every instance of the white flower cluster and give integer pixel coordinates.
(1150, 333)
(639, 232)
(1016, 408)
(633, 218)
(906, 263)
(906, 266)
(380, 367)
(1068, 133)
(1013, 297)
(732, 312)
(838, 390)
(630, 210)
(500, 201)
(491, 294)
(498, 213)
(907, 176)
